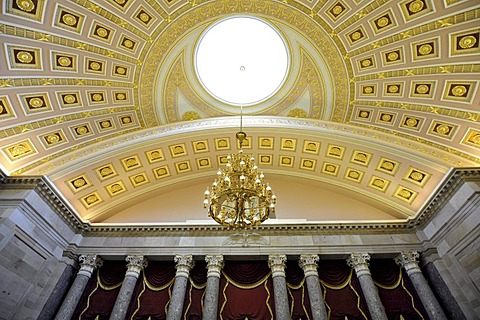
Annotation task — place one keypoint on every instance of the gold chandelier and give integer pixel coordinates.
(239, 196)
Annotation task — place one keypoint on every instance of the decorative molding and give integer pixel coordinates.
(453, 181)
(277, 262)
(135, 264)
(451, 184)
(360, 262)
(308, 262)
(214, 264)
(48, 193)
(184, 263)
(409, 261)
(88, 263)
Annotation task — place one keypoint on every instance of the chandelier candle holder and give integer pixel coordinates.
(239, 196)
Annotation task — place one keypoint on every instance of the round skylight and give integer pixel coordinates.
(241, 60)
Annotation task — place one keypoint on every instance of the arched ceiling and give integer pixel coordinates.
(381, 101)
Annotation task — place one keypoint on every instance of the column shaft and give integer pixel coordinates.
(175, 308)
(377, 311)
(428, 298)
(61, 289)
(359, 261)
(123, 299)
(210, 304)
(135, 264)
(315, 295)
(408, 260)
(309, 265)
(282, 308)
(69, 304)
(72, 298)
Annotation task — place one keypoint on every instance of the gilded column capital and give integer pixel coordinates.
(184, 263)
(89, 262)
(308, 262)
(135, 264)
(359, 262)
(409, 261)
(276, 262)
(214, 265)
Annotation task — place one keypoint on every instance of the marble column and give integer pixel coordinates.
(61, 288)
(277, 262)
(210, 302)
(359, 262)
(87, 264)
(184, 264)
(409, 261)
(308, 263)
(135, 264)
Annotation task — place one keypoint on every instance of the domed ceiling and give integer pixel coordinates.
(379, 103)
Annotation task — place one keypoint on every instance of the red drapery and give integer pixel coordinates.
(193, 305)
(396, 291)
(297, 292)
(101, 291)
(341, 290)
(246, 291)
(153, 291)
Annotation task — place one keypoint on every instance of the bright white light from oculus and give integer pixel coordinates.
(241, 60)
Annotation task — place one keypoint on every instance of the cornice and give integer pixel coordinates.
(323, 228)
(3, 176)
(451, 184)
(48, 193)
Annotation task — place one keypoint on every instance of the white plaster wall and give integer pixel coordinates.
(297, 199)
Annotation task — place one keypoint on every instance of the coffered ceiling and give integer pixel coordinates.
(380, 102)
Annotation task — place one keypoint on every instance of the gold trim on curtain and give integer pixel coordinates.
(246, 287)
(411, 298)
(88, 301)
(250, 286)
(138, 300)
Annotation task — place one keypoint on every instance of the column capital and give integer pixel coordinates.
(135, 264)
(359, 262)
(214, 265)
(276, 262)
(409, 261)
(89, 262)
(184, 263)
(308, 262)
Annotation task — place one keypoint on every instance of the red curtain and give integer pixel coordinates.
(153, 291)
(341, 290)
(297, 292)
(396, 291)
(101, 291)
(193, 305)
(246, 290)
